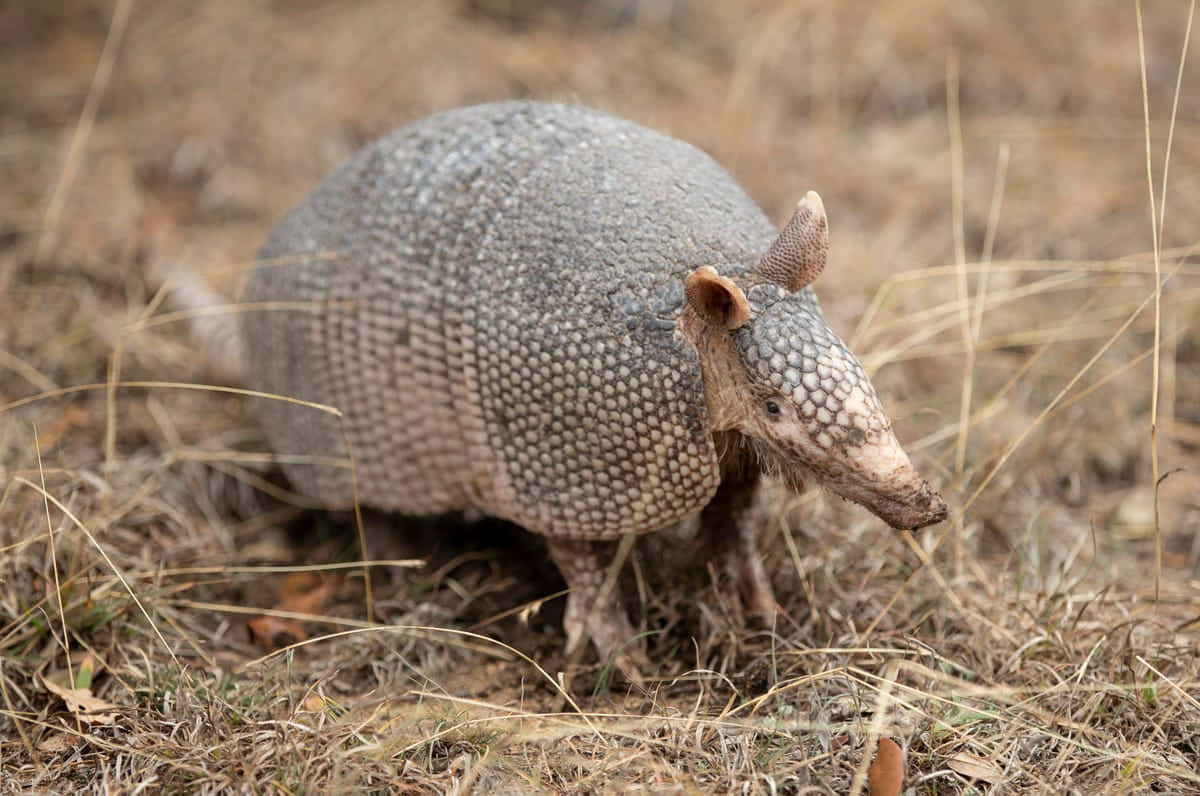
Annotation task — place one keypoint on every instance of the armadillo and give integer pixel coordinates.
(554, 316)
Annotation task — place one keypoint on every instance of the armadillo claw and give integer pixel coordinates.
(609, 629)
(755, 588)
(730, 525)
(593, 614)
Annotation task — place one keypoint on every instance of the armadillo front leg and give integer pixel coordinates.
(730, 524)
(584, 564)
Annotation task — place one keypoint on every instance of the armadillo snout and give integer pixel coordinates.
(907, 510)
(931, 506)
(879, 476)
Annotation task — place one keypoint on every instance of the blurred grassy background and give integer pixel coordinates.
(1025, 118)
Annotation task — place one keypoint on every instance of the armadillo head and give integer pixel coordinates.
(776, 372)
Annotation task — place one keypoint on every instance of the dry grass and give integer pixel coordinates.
(985, 169)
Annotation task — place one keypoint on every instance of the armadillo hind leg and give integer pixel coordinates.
(730, 526)
(584, 565)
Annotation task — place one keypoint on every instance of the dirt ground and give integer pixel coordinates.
(994, 264)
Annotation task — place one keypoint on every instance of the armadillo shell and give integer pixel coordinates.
(494, 295)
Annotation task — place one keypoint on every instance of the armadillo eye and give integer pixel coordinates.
(773, 408)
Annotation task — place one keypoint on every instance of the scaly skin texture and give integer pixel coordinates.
(496, 315)
(551, 315)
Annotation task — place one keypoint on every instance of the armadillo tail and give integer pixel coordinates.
(211, 321)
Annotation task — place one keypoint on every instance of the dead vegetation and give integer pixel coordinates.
(984, 166)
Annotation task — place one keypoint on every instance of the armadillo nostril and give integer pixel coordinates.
(928, 507)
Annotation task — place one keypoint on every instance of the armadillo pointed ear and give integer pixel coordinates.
(798, 255)
(717, 300)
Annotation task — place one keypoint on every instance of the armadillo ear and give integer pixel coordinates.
(717, 300)
(798, 255)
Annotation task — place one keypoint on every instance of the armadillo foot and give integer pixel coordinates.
(730, 525)
(742, 581)
(590, 613)
(753, 586)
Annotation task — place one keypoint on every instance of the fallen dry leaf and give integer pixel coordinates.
(79, 701)
(299, 592)
(72, 417)
(271, 632)
(307, 592)
(886, 775)
(56, 743)
(975, 767)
